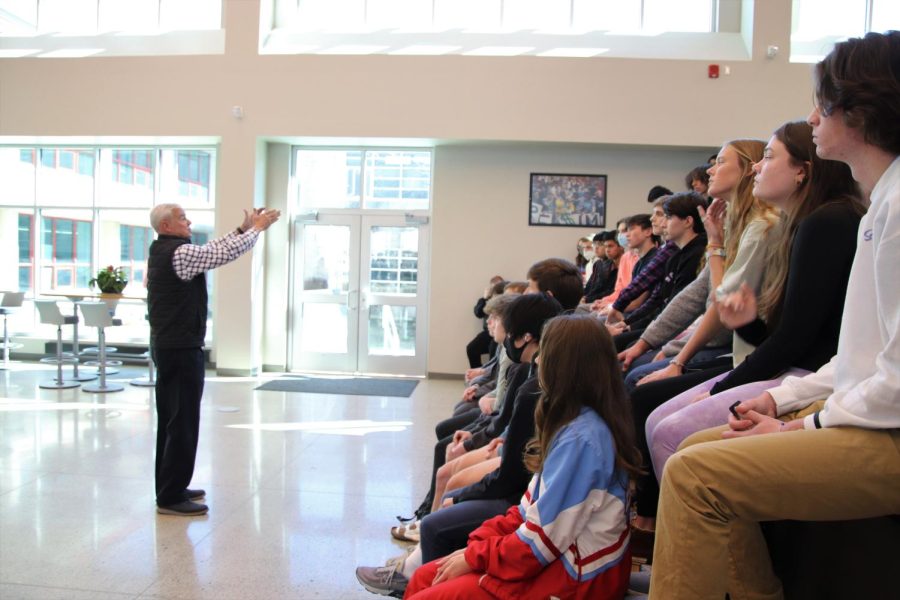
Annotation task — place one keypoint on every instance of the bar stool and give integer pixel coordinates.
(50, 315)
(8, 305)
(96, 314)
(150, 380)
(76, 376)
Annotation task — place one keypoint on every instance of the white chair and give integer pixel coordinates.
(96, 314)
(11, 302)
(50, 315)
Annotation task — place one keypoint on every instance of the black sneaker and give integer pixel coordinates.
(183, 509)
(195, 494)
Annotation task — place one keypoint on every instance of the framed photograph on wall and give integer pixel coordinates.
(559, 200)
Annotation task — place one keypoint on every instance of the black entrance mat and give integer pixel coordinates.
(350, 386)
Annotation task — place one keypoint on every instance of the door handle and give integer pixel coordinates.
(351, 296)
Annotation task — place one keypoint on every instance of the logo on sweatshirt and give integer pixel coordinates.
(867, 235)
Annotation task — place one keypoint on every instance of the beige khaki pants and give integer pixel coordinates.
(715, 492)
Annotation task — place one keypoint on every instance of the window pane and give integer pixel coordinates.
(392, 330)
(815, 19)
(336, 15)
(67, 16)
(410, 14)
(326, 258)
(16, 245)
(684, 15)
(66, 242)
(124, 235)
(398, 179)
(58, 185)
(480, 15)
(885, 15)
(536, 14)
(607, 15)
(129, 15)
(126, 178)
(19, 17)
(323, 328)
(17, 176)
(394, 262)
(188, 177)
(190, 14)
(328, 178)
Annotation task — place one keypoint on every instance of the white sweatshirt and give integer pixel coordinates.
(862, 382)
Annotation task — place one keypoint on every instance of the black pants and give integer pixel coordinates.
(625, 339)
(647, 398)
(456, 422)
(480, 344)
(179, 387)
(448, 529)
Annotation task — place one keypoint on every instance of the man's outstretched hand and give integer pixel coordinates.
(262, 218)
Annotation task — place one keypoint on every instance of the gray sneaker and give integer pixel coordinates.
(387, 580)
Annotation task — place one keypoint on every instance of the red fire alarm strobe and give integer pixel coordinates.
(713, 71)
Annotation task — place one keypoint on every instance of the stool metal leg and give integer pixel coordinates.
(102, 386)
(76, 376)
(58, 383)
(5, 345)
(150, 380)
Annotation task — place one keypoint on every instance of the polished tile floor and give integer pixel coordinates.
(302, 488)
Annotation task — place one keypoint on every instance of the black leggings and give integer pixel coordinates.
(647, 398)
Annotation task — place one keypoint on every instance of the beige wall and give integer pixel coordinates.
(632, 119)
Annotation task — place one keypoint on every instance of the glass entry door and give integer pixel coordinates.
(359, 299)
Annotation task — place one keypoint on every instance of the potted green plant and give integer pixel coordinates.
(110, 280)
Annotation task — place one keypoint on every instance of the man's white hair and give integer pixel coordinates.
(160, 213)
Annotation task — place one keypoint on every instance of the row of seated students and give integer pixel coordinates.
(747, 370)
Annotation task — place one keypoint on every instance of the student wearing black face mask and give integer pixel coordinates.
(491, 494)
(523, 322)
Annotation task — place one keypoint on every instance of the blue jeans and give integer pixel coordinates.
(448, 529)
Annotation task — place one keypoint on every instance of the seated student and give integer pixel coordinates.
(482, 343)
(657, 192)
(465, 412)
(558, 278)
(749, 221)
(639, 231)
(569, 536)
(686, 235)
(808, 257)
(625, 268)
(515, 287)
(603, 277)
(510, 287)
(803, 291)
(596, 270)
(832, 452)
(697, 180)
(647, 278)
(452, 518)
(731, 259)
(521, 318)
(585, 245)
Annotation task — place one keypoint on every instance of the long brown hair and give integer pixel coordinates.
(744, 207)
(578, 367)
(825, 182)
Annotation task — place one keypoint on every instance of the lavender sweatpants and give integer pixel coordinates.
(672, 422)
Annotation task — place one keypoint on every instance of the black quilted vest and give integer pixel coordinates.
(177, 308)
